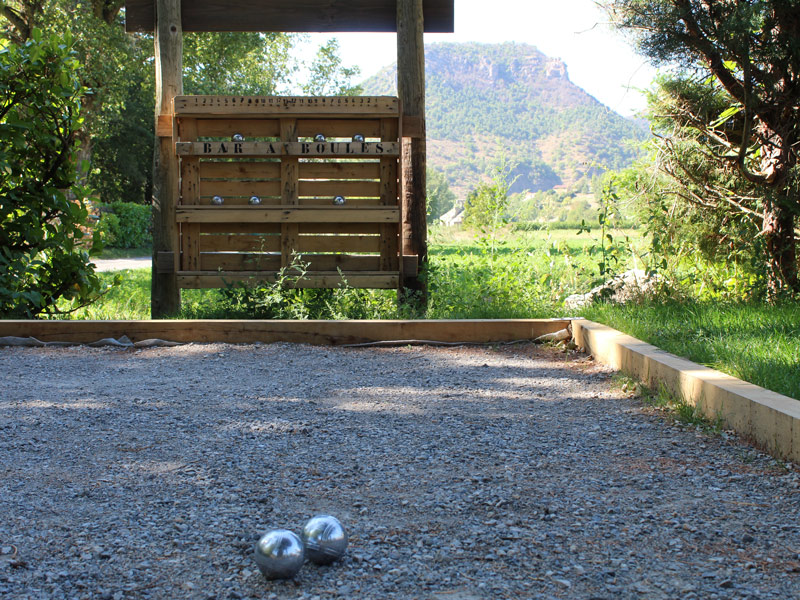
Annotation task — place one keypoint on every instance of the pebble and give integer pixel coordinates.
(461, 473)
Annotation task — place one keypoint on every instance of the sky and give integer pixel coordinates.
(598, 59)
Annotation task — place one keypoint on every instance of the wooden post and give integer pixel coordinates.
(411, 90)
(165, 297)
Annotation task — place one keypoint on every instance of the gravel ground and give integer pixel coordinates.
(460, 474)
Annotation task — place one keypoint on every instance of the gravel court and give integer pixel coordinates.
(459, 473)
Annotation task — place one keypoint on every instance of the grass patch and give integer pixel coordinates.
(664, 400)
(130, 300)
(757, 343)
(112, 253)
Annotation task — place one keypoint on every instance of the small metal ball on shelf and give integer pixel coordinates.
(237, 137)
(254, 200)
(358, 138)
(339, 200)
(217, 200)
(319, 138)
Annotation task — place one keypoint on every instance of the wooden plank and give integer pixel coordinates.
(240, 169)
(301, 214)
(238, 261)
(363, 169)
(240, 243)
(190, 181)
(339, 243)
(190, 195)
(410, 266)
(350, 203)
(310, 332)
(284, 106)
(327, 189)
(290, 173)
(243, 228)
(164, 126)
(233, 242)
(338, 128)
(165, 295)
(228, 149)
(339, 228)
(413, 127)
(390, 234)
(249, 128)
(411, 90)
(305, 228)
(241, 261)
(291, 15)
(190, 246)
(206, 280)
(243, 189)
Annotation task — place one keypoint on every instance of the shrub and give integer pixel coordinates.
(126, 225)
(43, 212)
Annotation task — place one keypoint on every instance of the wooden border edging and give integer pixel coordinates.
(334, 333)
(772, 420)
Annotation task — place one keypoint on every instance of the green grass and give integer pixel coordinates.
(527, 275)
(130, 300)
(757, 343)
(110, 253)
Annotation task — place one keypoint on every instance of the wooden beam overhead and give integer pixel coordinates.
(291, 15)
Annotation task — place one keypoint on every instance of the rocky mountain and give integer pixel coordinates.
(488, 101)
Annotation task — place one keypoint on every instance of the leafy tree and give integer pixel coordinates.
(237, 63)
(440, 197)
(43, 214)
(328, 77)
(732, 130)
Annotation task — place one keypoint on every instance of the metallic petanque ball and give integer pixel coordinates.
(237, 137)
(325, 539)
(358, 138)
(319, 138)
(339, 200)
(279, 554)
(217, 200)
(254, 200)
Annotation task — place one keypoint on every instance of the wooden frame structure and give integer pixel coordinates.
(316, 214)
(193, 254)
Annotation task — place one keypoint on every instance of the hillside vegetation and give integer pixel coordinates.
(488, 100)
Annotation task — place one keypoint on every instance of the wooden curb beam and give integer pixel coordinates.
(333, 333)
(772, 420)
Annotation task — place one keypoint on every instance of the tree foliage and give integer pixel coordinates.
(439, 195)
(43, 214)
(728, 115)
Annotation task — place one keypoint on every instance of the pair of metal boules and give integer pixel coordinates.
(321, 138)
(280, 553)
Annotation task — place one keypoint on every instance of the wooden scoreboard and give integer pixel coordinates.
(305, 189)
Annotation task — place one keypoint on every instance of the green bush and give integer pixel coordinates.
(125, 225)
(44, 245)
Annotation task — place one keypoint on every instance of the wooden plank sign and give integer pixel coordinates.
(277, 106)
(256, 197)
(298, 149)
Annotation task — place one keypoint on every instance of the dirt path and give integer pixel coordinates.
(118, 264)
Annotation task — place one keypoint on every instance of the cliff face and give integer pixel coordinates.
(485, 101)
